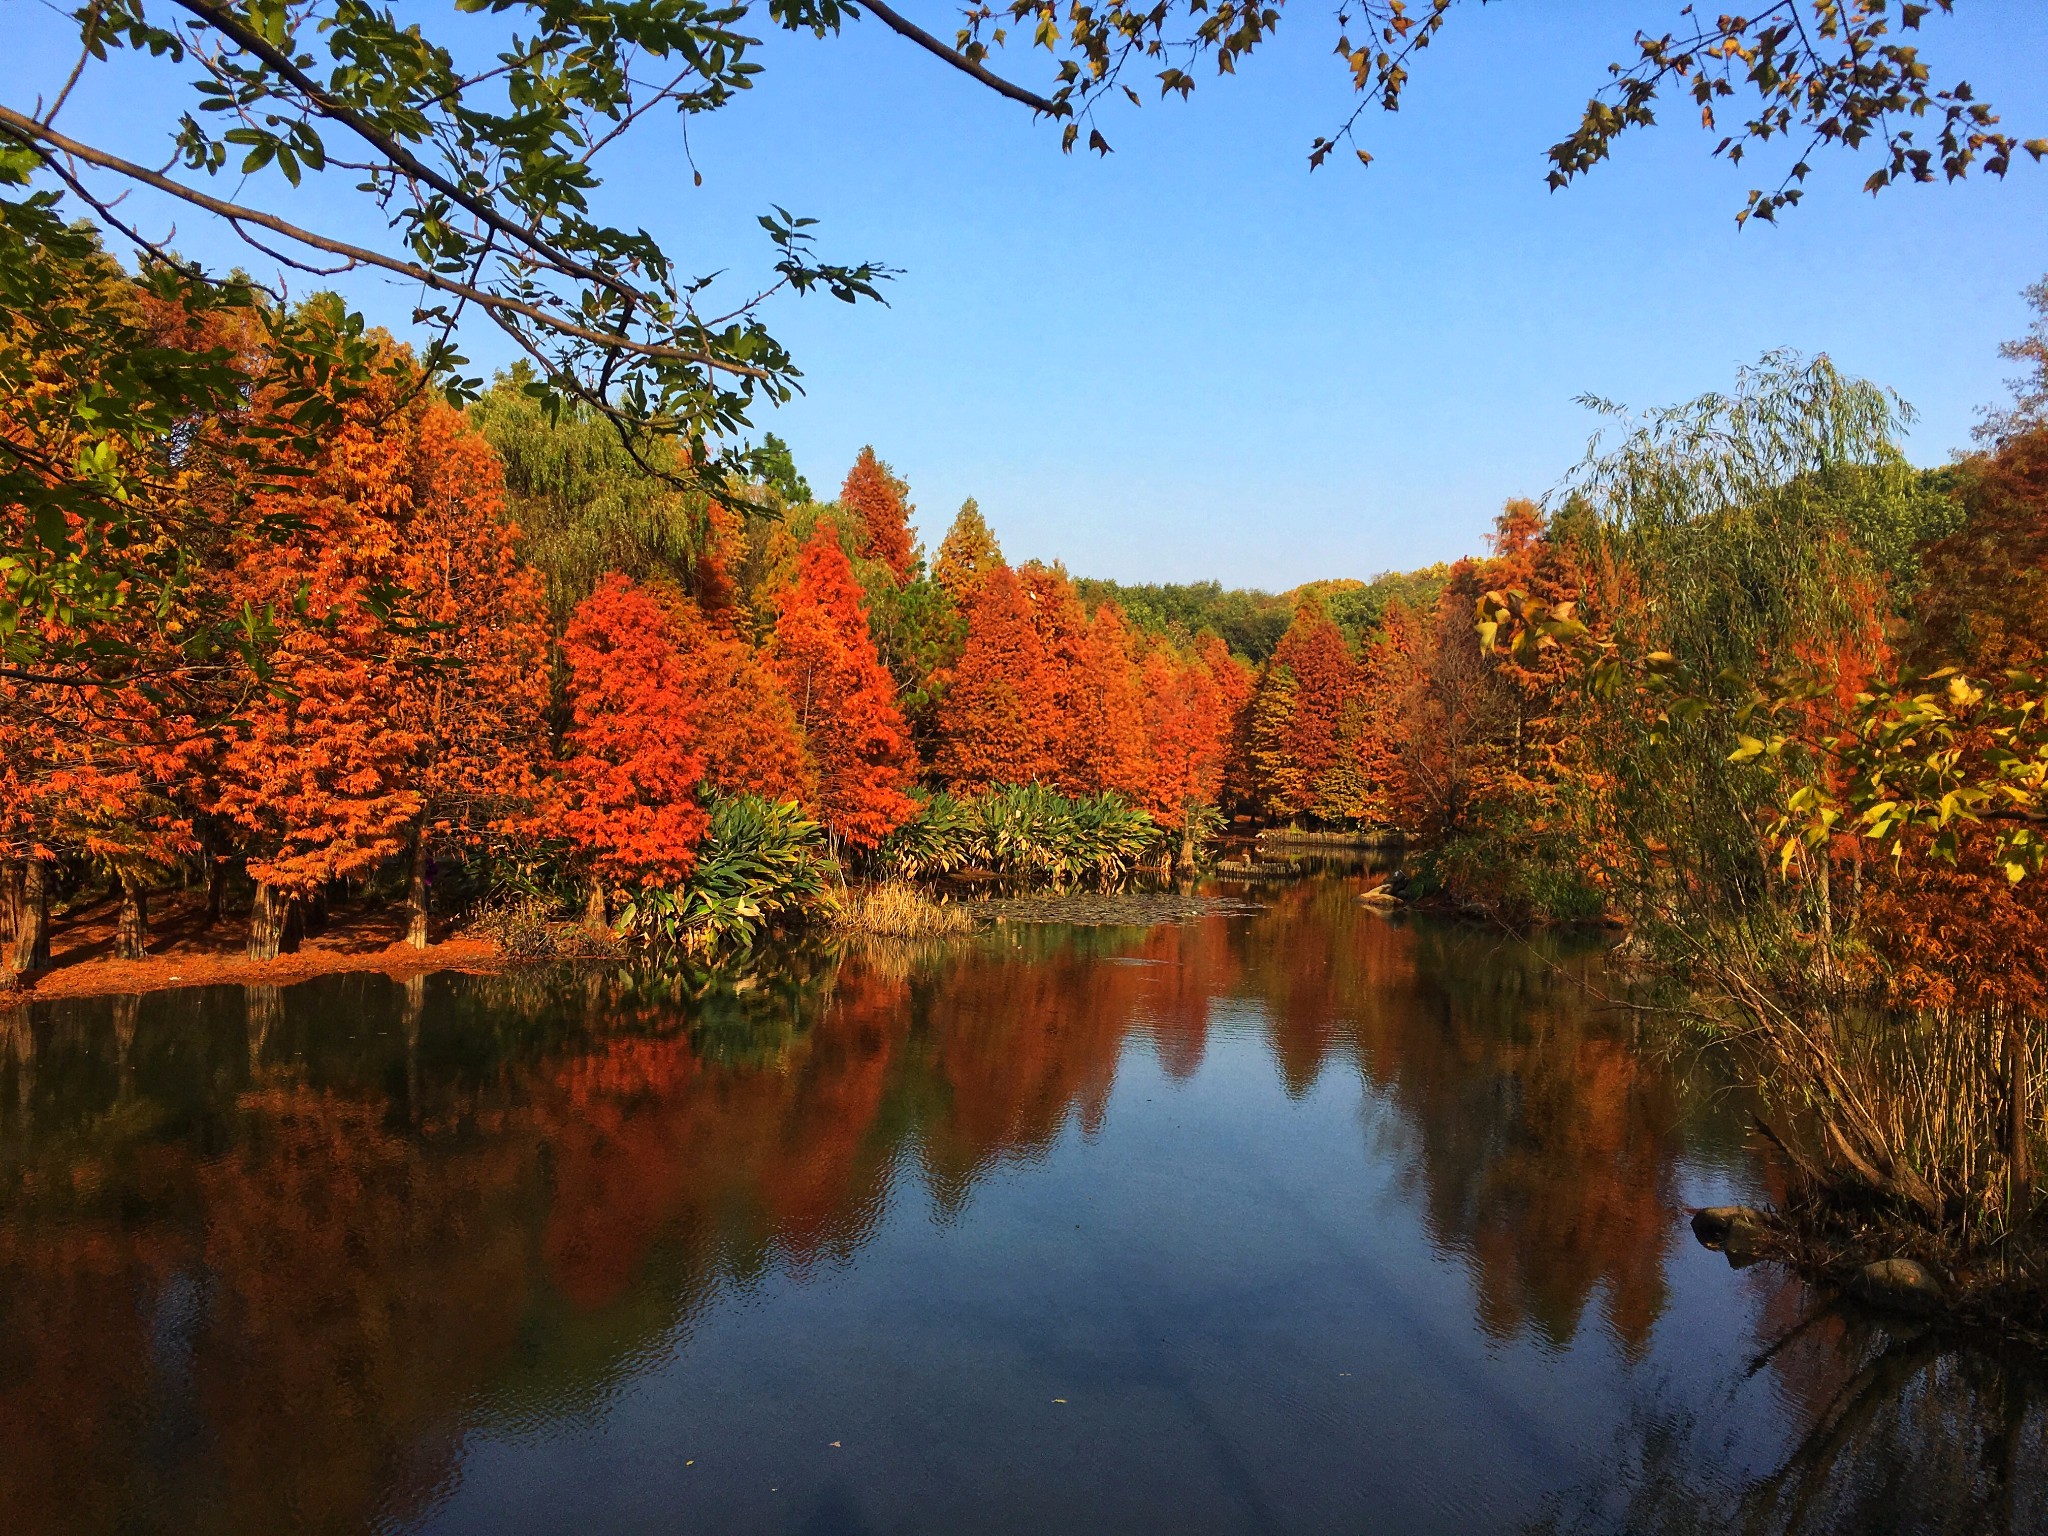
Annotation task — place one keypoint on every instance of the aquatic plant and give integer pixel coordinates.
(761, 861)
(1022, 831)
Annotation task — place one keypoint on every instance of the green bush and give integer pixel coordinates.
(761, 861)
(1022, 831)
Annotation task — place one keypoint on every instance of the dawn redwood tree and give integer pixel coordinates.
(626, 795)
(882, 503)
(1189, 731)
(1365, 783)
(1105, 745)
(1062, 626)
(845, 703)
(966, 555)
(747, 730)
(317, 772)
(474, 649)
(998, 720)
(1322, 679)
(1270, 780)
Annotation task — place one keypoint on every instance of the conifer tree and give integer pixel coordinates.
(1062, 627)
(1188, 729)
(997, 721)
(881, 501)
(474, 659)
(317, 772)
(747, 731)
(1326, 678)
(1273, 784)
(627, 795)
(1105, 746)
(845, 703)
(967, 554)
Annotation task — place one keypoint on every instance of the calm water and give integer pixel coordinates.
(1302, 1221)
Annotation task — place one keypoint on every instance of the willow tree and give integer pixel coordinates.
(1770, 780)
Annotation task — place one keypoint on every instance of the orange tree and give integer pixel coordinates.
(472, 645)
(626, 796)
(998, 720)
(854, 735)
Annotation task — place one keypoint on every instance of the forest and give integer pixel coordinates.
(1746, 687)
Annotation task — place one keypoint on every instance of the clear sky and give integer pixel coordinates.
(1195, 359)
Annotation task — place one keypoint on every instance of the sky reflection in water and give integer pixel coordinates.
(1309, 1222)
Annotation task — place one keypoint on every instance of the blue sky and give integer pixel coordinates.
(1195, 359)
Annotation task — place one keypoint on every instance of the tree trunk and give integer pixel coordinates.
(126, 1009)
(216, 877)
(28, 935)
(2019, 1117)
(273, 924)
(11, 893)
(131, 936)
(593, 911)
(309, 916)
(416, 893)
(18, 1039)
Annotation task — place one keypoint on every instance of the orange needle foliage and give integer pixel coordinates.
(844, 698)
(627, 800)
(1188, 726)
(746, 728)
(1107, 746)
(317, 773)
(998, 720)
(476, 691)
(880, 500)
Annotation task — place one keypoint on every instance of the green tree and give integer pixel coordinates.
(583, 502)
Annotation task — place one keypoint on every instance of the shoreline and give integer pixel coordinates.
(184, 950)
(162, 973)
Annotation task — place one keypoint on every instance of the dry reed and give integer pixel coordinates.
(900, 911)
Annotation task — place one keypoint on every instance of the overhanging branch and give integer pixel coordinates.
(36, 136)
(953, 56)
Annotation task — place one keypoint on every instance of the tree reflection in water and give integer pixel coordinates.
(266, 1259)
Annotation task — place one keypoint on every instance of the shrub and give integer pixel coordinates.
(1024, 831)
(760, 861)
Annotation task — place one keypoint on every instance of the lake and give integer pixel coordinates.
(1300, 1219)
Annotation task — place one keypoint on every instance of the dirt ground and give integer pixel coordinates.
(185, 951)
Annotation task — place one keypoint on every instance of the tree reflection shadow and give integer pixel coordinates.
(267, 1256)
(1868, 1427)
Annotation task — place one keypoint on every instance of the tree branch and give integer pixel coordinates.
(29, 132)
(254, 43)
(953, 56)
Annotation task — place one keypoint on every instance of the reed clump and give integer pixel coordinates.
(899, 910)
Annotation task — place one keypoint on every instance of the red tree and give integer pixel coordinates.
(998, 719)
(881, 500)
(844, 699)
(475, 692)
(1189, 728)
(316, 772)
(628, 791)
(747, 730)
(1105, 745)
(1324, 675)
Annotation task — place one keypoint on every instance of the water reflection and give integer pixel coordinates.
(297, 1259)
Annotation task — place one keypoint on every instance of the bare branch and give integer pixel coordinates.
(960, 61)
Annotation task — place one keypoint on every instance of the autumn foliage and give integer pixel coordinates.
(880, 500)
(628, 788)
(845, 702)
